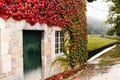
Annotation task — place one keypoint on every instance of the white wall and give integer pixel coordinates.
(11, 44)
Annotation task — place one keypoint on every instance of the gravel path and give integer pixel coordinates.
(112, 74)
(105, 73)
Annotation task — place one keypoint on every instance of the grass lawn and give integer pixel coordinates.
(98, 42)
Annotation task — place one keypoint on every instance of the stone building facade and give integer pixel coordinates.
(11, 48)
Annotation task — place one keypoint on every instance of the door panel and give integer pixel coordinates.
(31, 50)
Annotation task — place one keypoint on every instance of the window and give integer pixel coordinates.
(59, 40)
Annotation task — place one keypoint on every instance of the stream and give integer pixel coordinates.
(100, 53)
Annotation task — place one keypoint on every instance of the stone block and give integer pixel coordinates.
(5, 34)
(2, 23)
(5, 64)
(4, 48)
(16, 51)
(10, 23)
(20, 24)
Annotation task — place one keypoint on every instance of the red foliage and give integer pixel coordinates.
(66, 74)
(51, 12)
(42, 11)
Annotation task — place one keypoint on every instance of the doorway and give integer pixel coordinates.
(32, 54)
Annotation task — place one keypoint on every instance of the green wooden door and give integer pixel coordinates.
(31, 50)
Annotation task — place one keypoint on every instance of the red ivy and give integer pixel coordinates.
(51, 12)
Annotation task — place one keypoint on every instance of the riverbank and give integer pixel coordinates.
(97, 44)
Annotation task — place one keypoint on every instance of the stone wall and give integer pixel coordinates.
(11, 49)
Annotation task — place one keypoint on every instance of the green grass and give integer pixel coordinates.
(98, 42)
(110, 57)
(114, 53)
(106, 62)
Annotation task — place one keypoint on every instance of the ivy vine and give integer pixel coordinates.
(76, 49)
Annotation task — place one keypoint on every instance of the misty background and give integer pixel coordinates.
(97, 13)
(96, 25)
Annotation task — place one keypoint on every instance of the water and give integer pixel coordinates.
(100, 53)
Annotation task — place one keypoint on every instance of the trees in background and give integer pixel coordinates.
(111, 31)
(114, 15)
